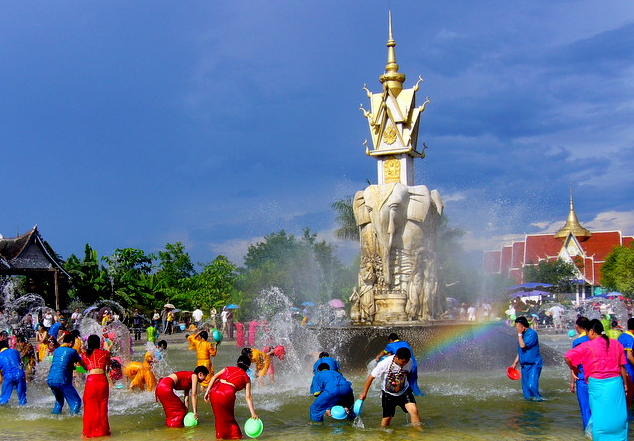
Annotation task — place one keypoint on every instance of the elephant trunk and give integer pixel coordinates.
(391, 229)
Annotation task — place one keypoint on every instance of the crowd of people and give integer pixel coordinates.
(602, 370)
(601, 362)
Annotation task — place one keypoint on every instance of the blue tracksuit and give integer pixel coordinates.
(531, 363)
(335, 391)
(582, 386)
(412, 378)
(60, 379)
(13, 374)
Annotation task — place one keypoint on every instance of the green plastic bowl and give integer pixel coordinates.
(253, 428)
(190, 420)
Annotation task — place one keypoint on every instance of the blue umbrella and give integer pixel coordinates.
(308, 304)
(232, 306)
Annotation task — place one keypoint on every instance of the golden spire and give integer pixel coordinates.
(392, 78)
(573, 226)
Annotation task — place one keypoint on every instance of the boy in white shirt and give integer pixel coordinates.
(395, 389)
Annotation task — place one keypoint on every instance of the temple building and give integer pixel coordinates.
(29, 255)
(585, 249)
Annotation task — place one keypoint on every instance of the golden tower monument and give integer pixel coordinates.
(399, 273)
(394, 121)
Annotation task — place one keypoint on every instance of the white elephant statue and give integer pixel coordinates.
(397, 226)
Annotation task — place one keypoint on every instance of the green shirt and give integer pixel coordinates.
(151, 333)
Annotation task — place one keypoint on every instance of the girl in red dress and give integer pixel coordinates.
(187, 381)
(97, 389)
(222, 394)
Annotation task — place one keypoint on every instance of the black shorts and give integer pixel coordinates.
(390, 402)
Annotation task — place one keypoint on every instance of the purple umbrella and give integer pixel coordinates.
(336, 303)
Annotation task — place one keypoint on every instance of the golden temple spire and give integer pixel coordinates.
(573, 226)
(392, 78)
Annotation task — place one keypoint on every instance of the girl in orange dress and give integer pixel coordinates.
(97, 389)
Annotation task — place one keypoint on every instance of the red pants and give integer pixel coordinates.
(96, 406)
(174, 408)
(223, 400)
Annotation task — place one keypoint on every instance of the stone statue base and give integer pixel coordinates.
(390, 307)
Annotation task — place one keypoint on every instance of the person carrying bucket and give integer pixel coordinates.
(204, 351)
(175, 409)
(330, 389)
(395, 388)
(529, 359)
(394, 343)
(221, 393)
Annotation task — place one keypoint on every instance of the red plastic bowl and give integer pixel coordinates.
(513, 373)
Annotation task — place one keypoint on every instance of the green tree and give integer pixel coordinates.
(174, 264)
(89, 280)
(213, 287)
(558, 273)
(348, 229)
(126, 269)
(305, 268)
(617, 272)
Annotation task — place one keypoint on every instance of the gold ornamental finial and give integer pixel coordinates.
(573, 226)
(392, 78)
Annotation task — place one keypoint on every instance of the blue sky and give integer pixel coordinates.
(137, 123)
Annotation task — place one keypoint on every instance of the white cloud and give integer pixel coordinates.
(613, 220)
(234, 249)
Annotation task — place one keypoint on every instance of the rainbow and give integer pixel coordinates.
(447, 340)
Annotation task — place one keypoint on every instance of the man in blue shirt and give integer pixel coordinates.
(12, 373)
(529, 359)
(60, 377)
(580, 386)
(627, 340)
(393, 345)
(331, 389)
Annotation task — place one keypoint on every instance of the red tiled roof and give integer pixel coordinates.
(597, 272)
(518, 255)
(540, 246)
(601, 244)
(588, 269)
(627, 240)
(505, 264)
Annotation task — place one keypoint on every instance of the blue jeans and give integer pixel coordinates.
(65, 391)
(584, 401)
(11, 381)
(530, 381)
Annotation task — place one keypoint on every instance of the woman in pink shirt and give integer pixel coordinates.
(603, 363)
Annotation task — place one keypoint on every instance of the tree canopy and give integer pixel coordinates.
(617, 272)
(559, 273)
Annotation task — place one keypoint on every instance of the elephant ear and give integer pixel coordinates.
(361, 214)
(440, 205)
(419, 202)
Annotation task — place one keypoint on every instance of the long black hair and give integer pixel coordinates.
(597, 327)
(244, 362)
(92, 343)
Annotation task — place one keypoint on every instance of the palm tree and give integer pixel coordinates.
(348, 229)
